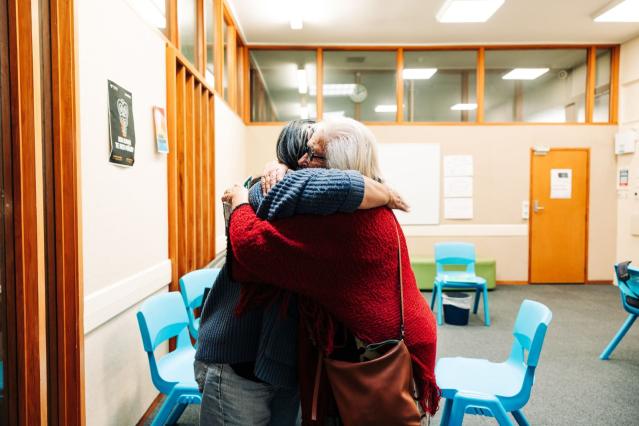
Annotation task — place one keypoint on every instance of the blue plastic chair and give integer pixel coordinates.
(481, 387)
(460, 254)
(160, 318)
(192, 287)
(629, 292)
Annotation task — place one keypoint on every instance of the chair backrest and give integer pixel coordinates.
(192, 287)
(629, 287)
(529, 332)
(462, 254)
(160, 318)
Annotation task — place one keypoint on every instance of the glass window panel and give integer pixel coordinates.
(152, 11)
(187, 28)
(240, 76)
(602, 86)
(225, 71)
(283, 84)
(555, 96)
(209, 20)
(447, 95)
(360, 84)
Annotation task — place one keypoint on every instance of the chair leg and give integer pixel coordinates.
(165, 411)
(432, 297)
(486, 309)
(477, 295)
(465, 400)
(445, 420)
(520, 418)
(176, 414)
(620, 335)
(439, 305)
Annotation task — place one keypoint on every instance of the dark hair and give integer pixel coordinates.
(291, 144)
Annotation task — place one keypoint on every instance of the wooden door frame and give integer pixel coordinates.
(69, 395)
(530, 206)
(26, 216)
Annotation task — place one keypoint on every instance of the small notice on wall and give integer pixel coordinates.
(624, 178)
(159, 120)
(458, 165)
(561, 183)
(459, 186)
(121, 128)
(458, 208)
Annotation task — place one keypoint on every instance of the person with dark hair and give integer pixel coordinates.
(246, 366)
(343, 267)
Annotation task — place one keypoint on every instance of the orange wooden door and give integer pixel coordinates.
(559, 216)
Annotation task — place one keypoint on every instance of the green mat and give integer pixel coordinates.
(424, 269)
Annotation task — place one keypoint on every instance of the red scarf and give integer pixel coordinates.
(347, 263)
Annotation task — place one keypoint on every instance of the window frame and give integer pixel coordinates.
(480, 80)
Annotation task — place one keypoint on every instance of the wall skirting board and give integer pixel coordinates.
(107, 303)
(470, 230)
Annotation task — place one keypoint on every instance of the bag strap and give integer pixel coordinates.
(401, 285)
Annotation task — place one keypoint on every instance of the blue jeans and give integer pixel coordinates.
(231, 400)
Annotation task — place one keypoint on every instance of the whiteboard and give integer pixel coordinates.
(413, 170)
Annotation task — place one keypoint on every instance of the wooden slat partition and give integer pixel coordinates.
(191, 166)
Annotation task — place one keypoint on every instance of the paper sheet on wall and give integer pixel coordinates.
(455, 187)
(458, 208)
(458, 165)
(561, 184)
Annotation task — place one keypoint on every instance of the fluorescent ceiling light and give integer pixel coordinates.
(333, 114)
(468, 10)
(386, 108)
(297, 24)
(418, 73)
(525, 73)
(302, 82)
(619, 11)
(338, 89)
(464, 107)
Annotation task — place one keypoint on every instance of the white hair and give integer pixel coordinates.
(349, 146)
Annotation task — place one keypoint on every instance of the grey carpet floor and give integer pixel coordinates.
(572, 386)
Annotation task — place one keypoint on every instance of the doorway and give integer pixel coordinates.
(558, 233)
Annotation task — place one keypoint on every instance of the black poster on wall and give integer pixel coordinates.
(121, 128)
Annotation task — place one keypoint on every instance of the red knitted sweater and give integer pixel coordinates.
(348, 264)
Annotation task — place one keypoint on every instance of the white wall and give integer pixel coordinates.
(628, 202)
(230, 160)
(124, 210)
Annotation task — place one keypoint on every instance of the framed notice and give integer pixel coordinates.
(121, 128)
(561, 184)
(159, 121)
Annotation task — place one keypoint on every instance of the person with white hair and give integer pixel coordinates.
(341, 266)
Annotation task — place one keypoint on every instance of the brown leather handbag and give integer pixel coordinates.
(380, 391)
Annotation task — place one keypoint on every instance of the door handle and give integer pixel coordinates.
(536, 207)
